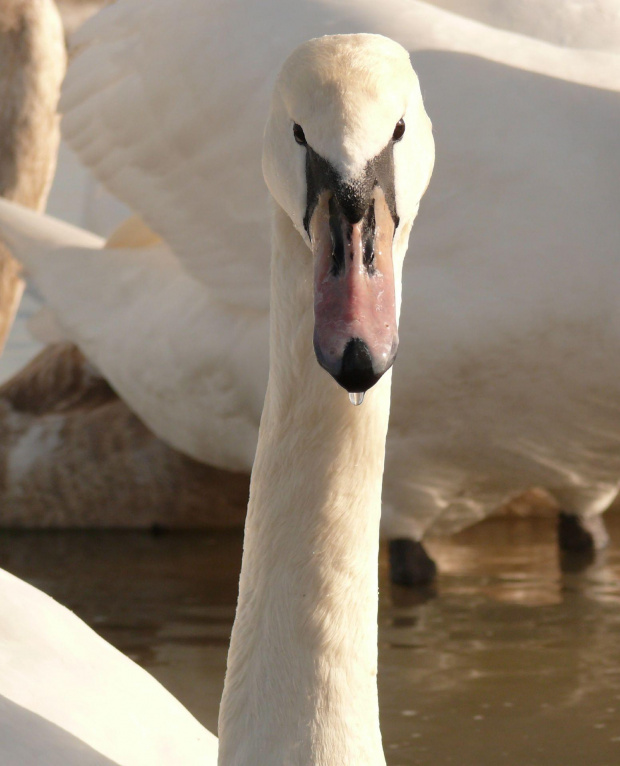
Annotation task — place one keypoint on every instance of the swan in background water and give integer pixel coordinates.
(32, 65)
(507, 376)
(64, 427)
(349, 149)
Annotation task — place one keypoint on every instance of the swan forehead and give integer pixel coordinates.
(347, 92)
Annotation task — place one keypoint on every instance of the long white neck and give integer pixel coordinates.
(301, 686)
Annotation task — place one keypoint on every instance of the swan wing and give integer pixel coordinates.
(191, 368)
(68, 697)
(574, 25)
(167, 107)
(171, 122)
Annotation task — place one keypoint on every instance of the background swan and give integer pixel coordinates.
(32, 65)
(530, 155)
(301, 682)
(64, 427)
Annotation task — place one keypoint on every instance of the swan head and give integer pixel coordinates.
(348, 153)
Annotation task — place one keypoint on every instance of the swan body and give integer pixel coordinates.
(506, 378)
(68, 698)
(301, 682)
(32, 65)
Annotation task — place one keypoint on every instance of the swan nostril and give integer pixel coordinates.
(369, 226)
(335, 228)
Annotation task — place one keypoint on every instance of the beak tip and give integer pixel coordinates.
(355, 371)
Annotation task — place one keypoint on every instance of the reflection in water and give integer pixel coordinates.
(506, 660)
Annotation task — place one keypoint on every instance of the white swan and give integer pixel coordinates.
(348, 154)
(523, 189)
(32, 65)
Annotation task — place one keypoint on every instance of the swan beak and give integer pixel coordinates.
(355, 329)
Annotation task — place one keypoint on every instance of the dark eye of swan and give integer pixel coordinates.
(298, 132)
(398, 130)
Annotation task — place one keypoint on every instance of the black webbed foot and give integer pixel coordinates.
(577, 534)
(410, 564)
(580, 539)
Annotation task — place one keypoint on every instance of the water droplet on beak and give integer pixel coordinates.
(356, 399)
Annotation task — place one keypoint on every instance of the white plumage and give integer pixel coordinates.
(593, 24)
(68, 698)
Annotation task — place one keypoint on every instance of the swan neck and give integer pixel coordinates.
(301, 685)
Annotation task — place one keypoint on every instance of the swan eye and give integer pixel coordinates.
(398, 130)
(298, 132)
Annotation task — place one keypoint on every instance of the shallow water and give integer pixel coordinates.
(505, 661)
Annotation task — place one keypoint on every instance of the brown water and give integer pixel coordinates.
(505, 661)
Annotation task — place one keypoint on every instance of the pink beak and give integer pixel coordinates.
(355, 329)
